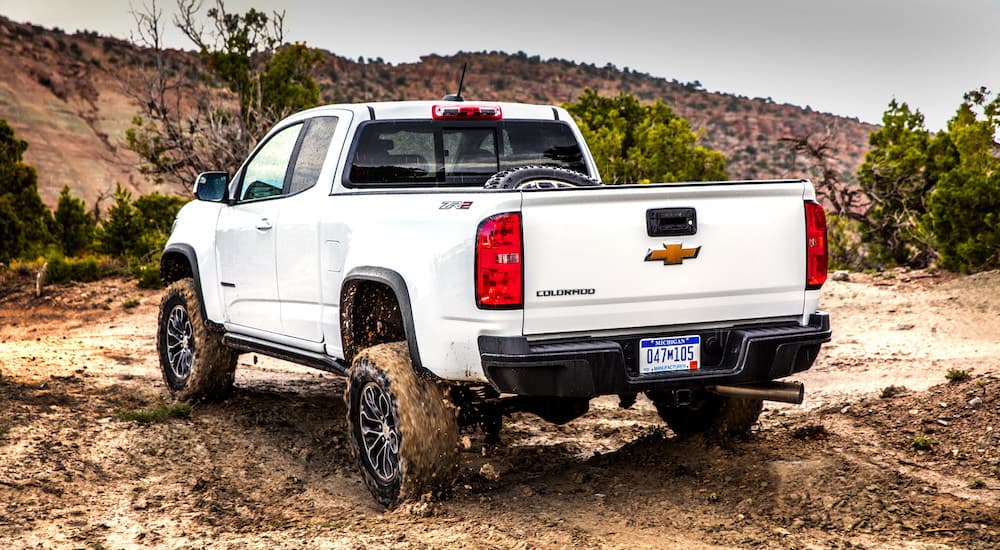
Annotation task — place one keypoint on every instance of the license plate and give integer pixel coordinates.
(669, 354)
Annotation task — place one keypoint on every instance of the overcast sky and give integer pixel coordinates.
(848, 57)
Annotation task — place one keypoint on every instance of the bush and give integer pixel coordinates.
(956, 375)
(12, 241)
(73, 227)
(118, 234)
(898, 172)
(63, 270)
(148, 275)
(24, 219)
(936, 197)
(923, 442)
(964, 212)
(635, 143)
(157, 212)
(26, 268)
(844, 244)
(138, 229)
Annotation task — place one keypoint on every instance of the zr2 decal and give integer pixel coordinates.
(455, 205)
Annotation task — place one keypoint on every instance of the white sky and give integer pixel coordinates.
(848, 57)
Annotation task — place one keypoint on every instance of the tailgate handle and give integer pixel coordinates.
(671, 222)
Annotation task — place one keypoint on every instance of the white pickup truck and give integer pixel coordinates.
(460, 261)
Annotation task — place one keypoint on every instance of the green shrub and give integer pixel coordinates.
(26, 268)
(148, 275)
(73, 226)
(844, 244)
(956, 375)
(636, 143)
(935, 197)
(138, 230)
(24, 219)
(84, 270)
(964, 211)
(12, 241)
(923, 442)
(117, 235)
(157, 212)
(64, 270)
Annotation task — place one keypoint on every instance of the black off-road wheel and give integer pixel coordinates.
(404, 428)
(539, 177)
(196, 365)
(722, 419)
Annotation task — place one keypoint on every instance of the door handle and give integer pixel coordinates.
(264, 224)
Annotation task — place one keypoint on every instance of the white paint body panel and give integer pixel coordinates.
(246, 256)
(195, 226)
(751, 265)
(432, 249)
(299, 246)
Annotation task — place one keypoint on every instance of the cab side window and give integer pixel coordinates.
(312, 153)
(265, 174)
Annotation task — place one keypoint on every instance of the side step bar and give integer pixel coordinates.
(319, 361)
(785, 392)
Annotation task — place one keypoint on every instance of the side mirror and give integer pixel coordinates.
(211, 186)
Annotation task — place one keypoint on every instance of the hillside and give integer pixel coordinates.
(747, 130)
(64, 95)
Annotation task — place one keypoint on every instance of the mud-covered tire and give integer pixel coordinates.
(544, 177)
(404, 428)
(195, 364)
(719, 417)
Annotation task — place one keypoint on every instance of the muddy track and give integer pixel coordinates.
(271, 466)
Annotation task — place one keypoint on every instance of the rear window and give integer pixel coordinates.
(437, 153)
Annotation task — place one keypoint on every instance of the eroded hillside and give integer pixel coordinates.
(68, 96)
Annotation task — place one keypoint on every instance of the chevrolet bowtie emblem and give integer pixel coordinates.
(672, 254)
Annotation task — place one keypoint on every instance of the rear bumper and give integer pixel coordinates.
(590, 367)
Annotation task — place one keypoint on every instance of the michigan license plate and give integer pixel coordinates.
(669, 354)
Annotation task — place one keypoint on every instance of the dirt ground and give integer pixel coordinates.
(916, 465)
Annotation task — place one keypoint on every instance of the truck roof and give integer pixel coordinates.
(396, 110)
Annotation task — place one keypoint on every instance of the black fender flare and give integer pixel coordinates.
(169, 273)
(397, 284)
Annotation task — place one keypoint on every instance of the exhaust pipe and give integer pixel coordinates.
(785, 392)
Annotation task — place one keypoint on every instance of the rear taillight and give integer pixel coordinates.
(499, 277)
(466, 112)
(816, 255)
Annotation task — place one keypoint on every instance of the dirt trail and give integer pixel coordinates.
(271, 467)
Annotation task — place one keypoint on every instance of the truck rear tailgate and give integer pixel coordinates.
(590, 263)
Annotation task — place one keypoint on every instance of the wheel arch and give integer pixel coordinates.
(179, 261)
(355, 315)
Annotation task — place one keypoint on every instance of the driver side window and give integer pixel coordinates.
(265, 174)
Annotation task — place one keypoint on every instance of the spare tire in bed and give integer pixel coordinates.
(539, 177)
